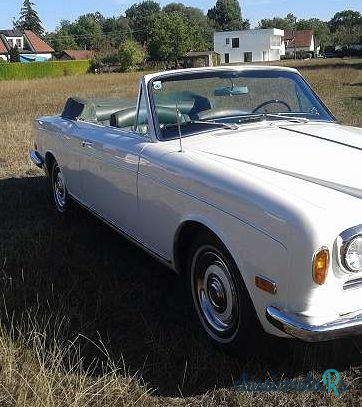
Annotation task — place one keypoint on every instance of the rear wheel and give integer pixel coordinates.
(221, 300)
(59, 189)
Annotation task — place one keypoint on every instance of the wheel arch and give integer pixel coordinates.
(49, 159)
(188, 228)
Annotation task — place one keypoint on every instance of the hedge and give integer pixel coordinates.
(49, 69)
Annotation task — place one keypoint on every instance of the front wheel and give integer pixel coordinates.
(59, 189)
(221, 300)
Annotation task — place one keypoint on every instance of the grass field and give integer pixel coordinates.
(88, 319)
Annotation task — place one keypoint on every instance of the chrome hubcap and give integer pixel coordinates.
(59, 190)
(215, 295)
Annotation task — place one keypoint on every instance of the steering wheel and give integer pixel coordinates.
(269, 102)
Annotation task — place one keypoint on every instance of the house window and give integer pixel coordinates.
(227, 41)
(248, 57)
(227, 58)
(235, 43)
(11, 43)
(276, 41)
(18, 42)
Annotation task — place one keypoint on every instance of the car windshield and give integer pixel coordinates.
(190, 103)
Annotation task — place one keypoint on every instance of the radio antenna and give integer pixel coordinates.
(178, 117)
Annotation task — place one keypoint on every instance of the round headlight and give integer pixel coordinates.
(353, 254)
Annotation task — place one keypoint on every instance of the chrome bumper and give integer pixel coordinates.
(37, 159)
(297, 327)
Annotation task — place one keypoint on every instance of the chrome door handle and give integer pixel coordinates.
(86, 143)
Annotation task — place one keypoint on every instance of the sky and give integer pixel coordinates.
(53, 11)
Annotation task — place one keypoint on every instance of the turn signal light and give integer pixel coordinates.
(320, 265)
(265, 284)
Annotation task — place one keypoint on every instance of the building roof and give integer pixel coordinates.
(78, 54)
(298, 38)
(3, 45)
(254, 31)
(11, 33)
(36, 44)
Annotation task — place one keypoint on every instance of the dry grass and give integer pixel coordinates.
(88, 319)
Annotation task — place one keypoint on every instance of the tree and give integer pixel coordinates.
(84, 33)
(283, 23)
(170, 37)
(29, 19)
(347, 36)
(116, 30)
(61, 41)
(141, 18)
(62, 38)
(226, 15)
(291, 19)
(346, 27)
(91, 31)
(14, 54)
(88, 33)
(131, 55)
(346, 18)
(200, 29)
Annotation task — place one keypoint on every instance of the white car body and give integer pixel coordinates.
(273, 192)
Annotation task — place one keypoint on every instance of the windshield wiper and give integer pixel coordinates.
(285, 117)
(230, 126)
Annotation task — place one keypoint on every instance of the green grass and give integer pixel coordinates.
(88, 319)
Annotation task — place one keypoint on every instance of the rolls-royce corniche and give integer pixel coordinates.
(240, 179)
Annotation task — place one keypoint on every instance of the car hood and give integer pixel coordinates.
(327, 154)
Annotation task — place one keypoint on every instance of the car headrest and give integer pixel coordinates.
(123, 118)
(189, 103)
(105, 112)
(126, 117)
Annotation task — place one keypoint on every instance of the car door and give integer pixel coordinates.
(109, 169)
(68, 151)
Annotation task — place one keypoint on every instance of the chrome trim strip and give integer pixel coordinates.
(319, 137)
(352, 284)
(295, 326)
(342, 244)
(36, 158)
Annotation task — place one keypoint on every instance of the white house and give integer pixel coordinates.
(249, 45)
(31, 47)
(299, 41)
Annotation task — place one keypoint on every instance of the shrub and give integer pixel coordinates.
(130, 55)
(95, 63)
(34, 70)
(14, 54)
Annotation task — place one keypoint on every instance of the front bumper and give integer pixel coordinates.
(37, 159)
(295, 326)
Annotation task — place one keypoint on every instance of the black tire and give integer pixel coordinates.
(60, 194)
(220, 298)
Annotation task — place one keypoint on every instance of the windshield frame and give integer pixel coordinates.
(209, 73)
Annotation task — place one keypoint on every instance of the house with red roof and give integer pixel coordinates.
(300, 41)
(76, 54)
(31, 47)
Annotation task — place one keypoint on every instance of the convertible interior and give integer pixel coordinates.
(122, 114)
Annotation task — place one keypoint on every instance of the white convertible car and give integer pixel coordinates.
(238, 177)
